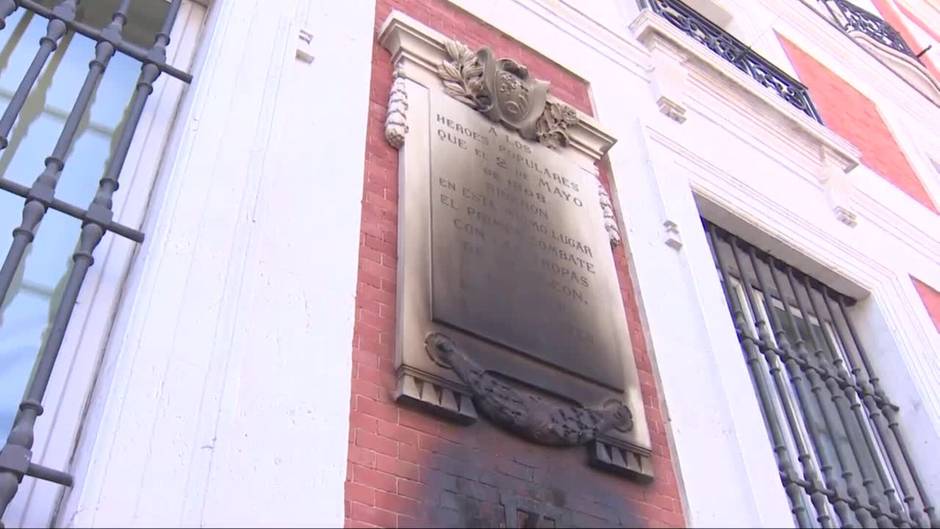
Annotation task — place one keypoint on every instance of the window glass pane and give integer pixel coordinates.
(25, 314)
(143, 21)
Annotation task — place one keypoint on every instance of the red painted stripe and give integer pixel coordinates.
(856, 118)
(931, 299)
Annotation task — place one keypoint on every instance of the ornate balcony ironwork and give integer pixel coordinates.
(853, 18)
(735, 52)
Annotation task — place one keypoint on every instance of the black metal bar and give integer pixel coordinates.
(56, 28)
(808, 487)
(43, 189)
(28, 116)
(837, 392)
(121, 46)
(837, 378)
(891, 416)
(20, 440)
(843, 379)
(837, 418)
(72, 211)
(49, 474)
(97, 219)
(809, 396)
(99, 211)
(750, 346)
(734, 51)
(810, 473)
(872, 463)
(7, 7)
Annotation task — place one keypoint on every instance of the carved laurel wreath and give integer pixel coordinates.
(463, 75)
(464, 80)
(524, 413)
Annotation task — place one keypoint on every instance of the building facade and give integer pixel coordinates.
(224, 298)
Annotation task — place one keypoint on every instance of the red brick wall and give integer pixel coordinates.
(853, 116)
(407, 468)
(931, 299)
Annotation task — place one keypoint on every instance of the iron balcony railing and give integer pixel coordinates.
(97, 219)
(735, 52)
(850, 17)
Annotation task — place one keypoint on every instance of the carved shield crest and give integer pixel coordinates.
(516, 99)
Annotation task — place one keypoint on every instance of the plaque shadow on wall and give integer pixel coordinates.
(509, 306)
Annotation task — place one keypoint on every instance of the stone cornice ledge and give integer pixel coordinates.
(417, 50)
(658, 35)
(908, 69)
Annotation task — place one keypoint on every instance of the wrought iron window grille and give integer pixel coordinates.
(96, 219)
(850, 17)
(835, 434)
(735, 52)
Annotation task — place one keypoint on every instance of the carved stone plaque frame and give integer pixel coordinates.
(453, 361)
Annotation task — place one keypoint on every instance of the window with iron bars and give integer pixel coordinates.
(77, 83)
(834, 431)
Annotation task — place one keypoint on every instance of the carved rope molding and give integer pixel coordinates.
(525, 414)
(610, 218)
(396, 118)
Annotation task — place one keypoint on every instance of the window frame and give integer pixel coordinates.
(789, 418)
(81, 355)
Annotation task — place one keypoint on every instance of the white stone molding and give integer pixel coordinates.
(604, 39)
(396, 118)
(418, 50)
(669, 75)
(716, 11)
(716, 425)
(838, 185)
(906, 67)
(729, 83)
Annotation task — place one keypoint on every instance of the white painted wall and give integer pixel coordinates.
(223, 399)
(223, 396)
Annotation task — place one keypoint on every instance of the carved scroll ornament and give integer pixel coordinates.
(526, 414)
(503, 90)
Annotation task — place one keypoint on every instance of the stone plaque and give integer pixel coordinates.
(519, 255)
(509, 306)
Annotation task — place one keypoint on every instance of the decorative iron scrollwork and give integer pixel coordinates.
(853, 18)
(526, 414)
(504, 91)
(735, 52)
